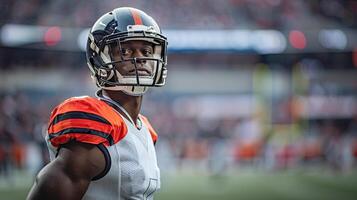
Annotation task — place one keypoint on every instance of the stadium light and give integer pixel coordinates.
(268, 41)
(333, 39)
(82, 39)
(297, 39)
(52, 36)
(261, 41)
(16, 35)
(239, 40)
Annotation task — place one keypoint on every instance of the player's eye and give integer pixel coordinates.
(147, 51)
(126, 51)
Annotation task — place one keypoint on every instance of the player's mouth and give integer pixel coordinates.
(140, 71)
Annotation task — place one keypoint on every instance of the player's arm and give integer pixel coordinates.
(69, 175)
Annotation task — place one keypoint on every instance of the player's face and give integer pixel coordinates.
(134, 49)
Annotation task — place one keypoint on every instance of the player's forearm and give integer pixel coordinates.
(52, 183)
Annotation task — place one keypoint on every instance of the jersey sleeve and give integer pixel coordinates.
(82, 120)
(152, 131)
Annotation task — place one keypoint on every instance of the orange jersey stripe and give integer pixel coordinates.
(91, 139)
(80, 123)
(153, 133)
(76, 105)
(90, 117)
(136, 16)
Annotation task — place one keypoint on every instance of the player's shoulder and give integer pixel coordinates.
(147, 123)
(79, 104)
(89, 106)
(85, 119)
(79, 101)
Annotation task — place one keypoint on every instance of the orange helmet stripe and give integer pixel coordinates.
(136, 16)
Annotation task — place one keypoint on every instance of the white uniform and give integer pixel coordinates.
(131, 170)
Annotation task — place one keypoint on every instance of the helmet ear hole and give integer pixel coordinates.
(91, 61)
(95, 61)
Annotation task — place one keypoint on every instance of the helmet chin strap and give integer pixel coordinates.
(129, 90)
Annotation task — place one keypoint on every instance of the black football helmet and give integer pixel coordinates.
(109, 34)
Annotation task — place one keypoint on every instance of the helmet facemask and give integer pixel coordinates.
(133, 75)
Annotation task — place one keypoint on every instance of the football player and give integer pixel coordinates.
(102, 147)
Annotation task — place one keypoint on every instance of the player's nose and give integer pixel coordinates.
(138, 54)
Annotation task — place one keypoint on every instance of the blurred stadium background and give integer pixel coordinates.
(260, 101)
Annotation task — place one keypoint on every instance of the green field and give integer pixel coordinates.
(250, 186)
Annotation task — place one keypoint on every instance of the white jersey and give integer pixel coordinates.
(131, 170)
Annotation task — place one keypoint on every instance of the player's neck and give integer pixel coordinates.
(132, 104)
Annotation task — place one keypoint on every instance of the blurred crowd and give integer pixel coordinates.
(253, 142)
(275, 142)
(189, 14)
(22, 122)
(214, 145)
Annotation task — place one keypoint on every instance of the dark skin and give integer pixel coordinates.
(133, 49)
(70, 173)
